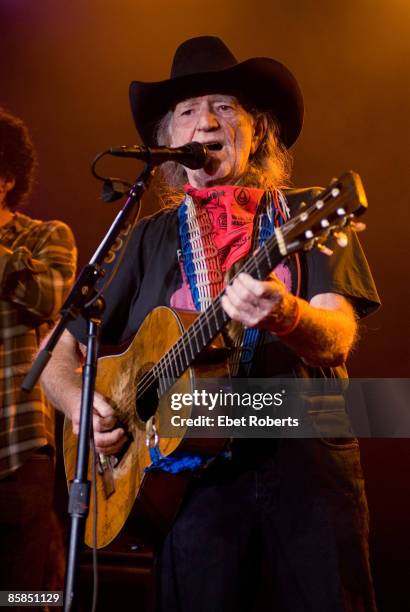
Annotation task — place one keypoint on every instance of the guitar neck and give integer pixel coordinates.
(212, 320)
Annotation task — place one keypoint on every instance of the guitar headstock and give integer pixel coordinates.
(335, 208)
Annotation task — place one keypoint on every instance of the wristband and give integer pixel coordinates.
(294, 324)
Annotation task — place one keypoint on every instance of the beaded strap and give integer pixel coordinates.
(200, 255)
(273, 212)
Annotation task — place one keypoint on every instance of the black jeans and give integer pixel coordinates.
(294, 519)
(25, 511)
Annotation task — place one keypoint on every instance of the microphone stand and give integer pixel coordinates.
(84, 299)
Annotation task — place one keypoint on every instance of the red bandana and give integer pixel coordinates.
(231, 210)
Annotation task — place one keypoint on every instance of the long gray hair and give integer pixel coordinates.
(268, 168)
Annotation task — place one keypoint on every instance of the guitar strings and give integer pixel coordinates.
(177, 350)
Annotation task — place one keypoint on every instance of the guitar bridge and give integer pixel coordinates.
(106, 465)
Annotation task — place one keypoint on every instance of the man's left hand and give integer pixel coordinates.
(263, 304)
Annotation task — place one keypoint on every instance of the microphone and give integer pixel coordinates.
(192, 155)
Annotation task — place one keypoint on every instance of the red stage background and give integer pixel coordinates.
(65, 68)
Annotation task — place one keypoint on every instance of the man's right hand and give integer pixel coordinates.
(61, 380)
(108, 436)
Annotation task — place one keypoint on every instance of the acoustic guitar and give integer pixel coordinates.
(171, 353)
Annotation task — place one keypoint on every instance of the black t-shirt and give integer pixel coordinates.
(149, 274)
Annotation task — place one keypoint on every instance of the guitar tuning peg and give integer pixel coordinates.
(127, 229)
(325, 250)
(109, 258)
(358, 226)
(302, 205)
(341, 239)
(117, 244)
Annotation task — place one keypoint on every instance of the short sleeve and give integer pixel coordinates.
(124, 278)
(346, 272)
(146, 277)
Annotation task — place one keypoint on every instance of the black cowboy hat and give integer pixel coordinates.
(205, 65)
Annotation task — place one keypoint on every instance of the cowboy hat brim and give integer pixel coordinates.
(262, 82)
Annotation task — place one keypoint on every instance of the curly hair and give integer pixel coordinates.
(269, 168)
(18, 159)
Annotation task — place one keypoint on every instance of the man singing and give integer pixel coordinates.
(295, 507)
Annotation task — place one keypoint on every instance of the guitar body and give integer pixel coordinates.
(125, 491)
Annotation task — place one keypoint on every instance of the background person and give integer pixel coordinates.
(37, 268)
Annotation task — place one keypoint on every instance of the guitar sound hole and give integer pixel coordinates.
(146, 401)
